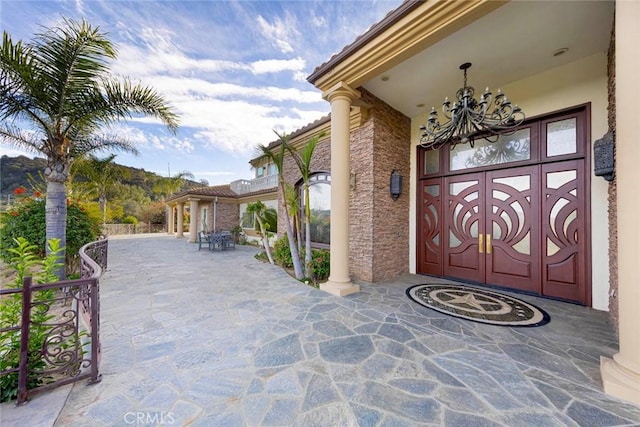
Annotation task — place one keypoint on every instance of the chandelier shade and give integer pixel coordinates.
(469, 119)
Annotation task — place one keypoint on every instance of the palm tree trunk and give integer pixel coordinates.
(265, 239)
(293, 247)
(56, 219)
(307, 213)
(102, 200)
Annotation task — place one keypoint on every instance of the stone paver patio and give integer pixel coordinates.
(220, 339)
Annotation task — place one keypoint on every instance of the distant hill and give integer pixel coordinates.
(14, 172)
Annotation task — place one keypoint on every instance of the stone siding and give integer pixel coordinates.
(378, 225)
(227, 216)
(387, 142)
(613, 222)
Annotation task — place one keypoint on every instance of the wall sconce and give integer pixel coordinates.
(604, 157)
(395, 185)
(352, 181)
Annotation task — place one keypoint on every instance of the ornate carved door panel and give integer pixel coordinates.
(463, 227)
(564, 244)
(513, 213)
(430, 247)
(512, 228)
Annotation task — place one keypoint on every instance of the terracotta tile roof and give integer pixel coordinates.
(391, 18)
(298, 132)
(220, 191)
(215, 190)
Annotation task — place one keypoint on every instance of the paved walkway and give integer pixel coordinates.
(220, 339)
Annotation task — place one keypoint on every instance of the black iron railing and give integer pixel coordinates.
(69, 337)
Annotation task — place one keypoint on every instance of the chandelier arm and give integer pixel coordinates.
(469, 118)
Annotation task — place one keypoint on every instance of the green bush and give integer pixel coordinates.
(320, 262)
(282, 252)
(27, 220)
(130, 219)
(26, 263)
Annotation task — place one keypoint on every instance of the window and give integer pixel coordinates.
(320, 206)
(513, 147)
(260, 171)
(273, 169)
(204, 219)
(248, 220)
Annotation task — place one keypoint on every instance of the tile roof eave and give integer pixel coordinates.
(273, 144)
(374, 31)
(230, 194)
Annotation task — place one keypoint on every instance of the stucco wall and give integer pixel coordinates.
(572, 84)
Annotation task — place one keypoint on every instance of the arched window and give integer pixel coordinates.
(320, 205)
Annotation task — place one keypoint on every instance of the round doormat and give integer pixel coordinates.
(478, 305)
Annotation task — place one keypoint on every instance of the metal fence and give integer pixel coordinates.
(58, 337)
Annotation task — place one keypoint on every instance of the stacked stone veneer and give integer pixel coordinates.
(227, 216)
(378, 225)
(613, 207)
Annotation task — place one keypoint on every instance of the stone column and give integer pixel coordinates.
(180, 221)
(170, 219)
(340, 96)
(193, 220)
(621, 375)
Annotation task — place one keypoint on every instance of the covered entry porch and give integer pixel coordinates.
(547, 57)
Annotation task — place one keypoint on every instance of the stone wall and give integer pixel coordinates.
(388, 143)
(227, 216)
(378, 225)
(613, 222)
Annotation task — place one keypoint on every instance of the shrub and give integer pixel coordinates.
(27, 220)
(282, 252)
(130, 219)
(320, 263)
(26, 263)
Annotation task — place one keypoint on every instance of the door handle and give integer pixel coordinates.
(488, 243)
(480, 244)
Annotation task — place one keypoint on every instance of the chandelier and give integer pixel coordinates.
(470, 119)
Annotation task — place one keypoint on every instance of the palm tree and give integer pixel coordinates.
(57, 95)
(277, 155)
(166, 186)
(102, 175)
(293, 202)
(258, 209)
(302, 157)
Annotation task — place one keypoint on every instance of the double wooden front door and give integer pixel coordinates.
(519, 227)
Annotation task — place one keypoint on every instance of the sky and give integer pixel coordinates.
(234, 71)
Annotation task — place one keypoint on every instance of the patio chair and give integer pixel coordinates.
(229, 240)
(203, 240)
(216, 241)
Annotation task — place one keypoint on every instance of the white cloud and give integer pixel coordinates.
(277, 65)
(80, 7)
(180, 91)
(281, 32)
(146, 140)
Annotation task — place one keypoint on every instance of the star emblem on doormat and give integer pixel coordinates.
(478, 305)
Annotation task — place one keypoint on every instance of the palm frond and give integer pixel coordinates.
(71, 58)
(91, 144)
(19, 138)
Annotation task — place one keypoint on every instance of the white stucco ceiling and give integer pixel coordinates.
(515, 41)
